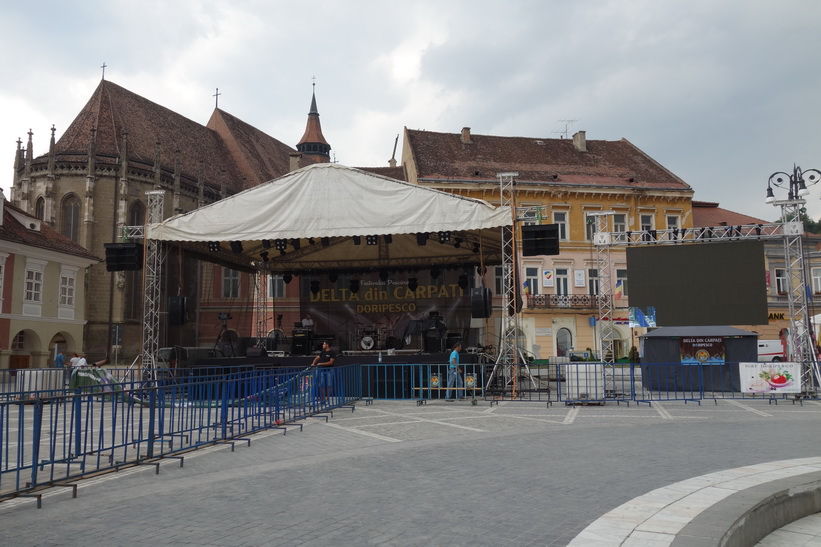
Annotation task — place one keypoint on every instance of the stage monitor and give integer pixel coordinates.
(699, 284)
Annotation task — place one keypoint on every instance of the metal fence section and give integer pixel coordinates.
(52, 436)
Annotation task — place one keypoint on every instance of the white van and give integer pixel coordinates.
(770, 350)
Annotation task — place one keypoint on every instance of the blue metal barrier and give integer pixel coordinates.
(52, 436)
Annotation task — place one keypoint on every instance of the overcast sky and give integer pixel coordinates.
(722, 93)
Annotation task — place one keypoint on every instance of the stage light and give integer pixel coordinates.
(444, 237)
(332, 277)
(458, 242)
(266, 244)
(325, 241)
(421, 239)
(264, 256)
(314, 287)
(214, 246)
(372, 240)
(388, 239)
(476, 248)
(236, 246)
(287, 277)
(383, 275)
(413, 284)
(354, 286)
(357, 240)
(280, 244)
(295, 244)
(463, 282)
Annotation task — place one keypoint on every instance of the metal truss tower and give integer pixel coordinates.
(261, 303)
(607, 330)
(509, 358)
(801, 346)
(152, 281)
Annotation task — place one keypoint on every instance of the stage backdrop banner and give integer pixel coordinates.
(772, 377)
(702, 350)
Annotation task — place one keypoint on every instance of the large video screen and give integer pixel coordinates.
(700, 284)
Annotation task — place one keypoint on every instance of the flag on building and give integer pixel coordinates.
(526, 288)
(619, 289)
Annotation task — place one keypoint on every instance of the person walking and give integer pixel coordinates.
(454, 374)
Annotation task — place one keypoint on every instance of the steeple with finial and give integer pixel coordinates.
(313, 145)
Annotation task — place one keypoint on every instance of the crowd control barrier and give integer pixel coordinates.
(97, 421)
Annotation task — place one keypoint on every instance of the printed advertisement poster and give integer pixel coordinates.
(702, 350)
(770, 378)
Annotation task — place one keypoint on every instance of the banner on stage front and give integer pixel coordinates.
(770, 377)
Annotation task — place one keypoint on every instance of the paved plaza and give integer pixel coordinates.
(393, 473)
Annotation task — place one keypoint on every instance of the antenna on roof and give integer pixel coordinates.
(565, 133)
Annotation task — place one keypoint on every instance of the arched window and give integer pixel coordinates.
(136, 214)
(564, 341)
(70, 213)
(40, 208)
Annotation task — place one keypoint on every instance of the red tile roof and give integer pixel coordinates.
(397, 173)
(445, 157)
(706, 214)
(44, 238)
(231, 151)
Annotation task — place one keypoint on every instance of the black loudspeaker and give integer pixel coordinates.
(123, 256)
(176, 310)
(481, 302)
(301, 344)
(540, 239)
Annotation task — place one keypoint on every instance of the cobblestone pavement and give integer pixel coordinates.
(393, 473)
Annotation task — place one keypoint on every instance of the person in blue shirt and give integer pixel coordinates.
(454, 374)
(60, 360)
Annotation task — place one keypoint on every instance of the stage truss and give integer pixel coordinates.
(801, 345)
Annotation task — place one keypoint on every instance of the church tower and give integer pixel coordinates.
(313, 146)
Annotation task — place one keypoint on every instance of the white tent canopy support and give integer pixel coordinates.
(337, 202)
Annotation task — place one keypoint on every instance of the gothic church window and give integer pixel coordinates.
(70, 212)
(40, 208)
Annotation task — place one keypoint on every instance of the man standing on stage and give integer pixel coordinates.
(454, 374)
(325, 377)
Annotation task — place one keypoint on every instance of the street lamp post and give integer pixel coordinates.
(801, 347)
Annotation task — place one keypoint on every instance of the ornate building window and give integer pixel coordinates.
(70, 217)
(230, 283)
(276, 286)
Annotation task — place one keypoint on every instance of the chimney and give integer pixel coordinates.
(294, 165)
(579, 141)
(466, 136)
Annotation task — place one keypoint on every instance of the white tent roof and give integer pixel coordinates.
(337, 202)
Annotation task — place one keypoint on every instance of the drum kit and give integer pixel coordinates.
(373, 338)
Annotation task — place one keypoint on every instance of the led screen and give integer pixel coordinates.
(700, 284)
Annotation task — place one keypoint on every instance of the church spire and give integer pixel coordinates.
(313, 145)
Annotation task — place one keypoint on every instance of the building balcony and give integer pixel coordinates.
(559, 301)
